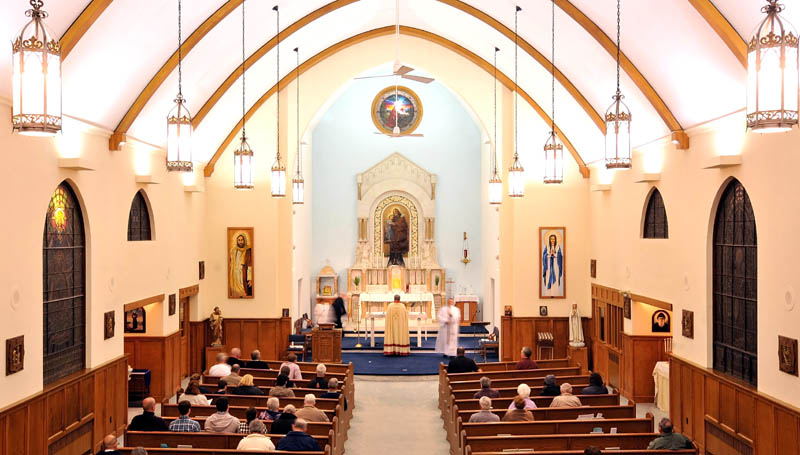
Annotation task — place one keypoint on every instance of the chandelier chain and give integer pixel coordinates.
(494, 139)
(553, 65)
(297, 82)
(618, 44)
(180, 55)
(244, 136)
(278, 84)
(516, 87)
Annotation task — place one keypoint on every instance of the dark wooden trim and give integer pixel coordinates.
(651, 301)
(189, 291)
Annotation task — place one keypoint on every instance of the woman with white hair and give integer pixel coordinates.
(524, 391)
(284, 423)
(272, 412)
(319, 382)
(485, 414)
(256, 440)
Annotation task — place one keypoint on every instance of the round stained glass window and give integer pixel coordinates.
(396, 106)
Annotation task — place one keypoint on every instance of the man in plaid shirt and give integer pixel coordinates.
(184, 423)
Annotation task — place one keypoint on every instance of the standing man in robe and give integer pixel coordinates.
(396, 338)
(449, 325)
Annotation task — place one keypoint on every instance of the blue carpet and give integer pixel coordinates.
(349, 343)
(374, 363)
(464, 330)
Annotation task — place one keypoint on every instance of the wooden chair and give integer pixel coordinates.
(545, 342)
(300, 344)
(487, 344)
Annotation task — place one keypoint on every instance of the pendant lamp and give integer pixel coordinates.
(278, 171)
(553, 148)
(298, 195)
(618, 123)
(179, 122)
(516, 173)
(243, 155)
(495, 183)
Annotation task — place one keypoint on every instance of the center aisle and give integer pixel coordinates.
(396, 413)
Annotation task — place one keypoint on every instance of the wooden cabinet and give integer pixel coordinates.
(326, 344)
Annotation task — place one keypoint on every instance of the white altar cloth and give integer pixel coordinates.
(385, 297)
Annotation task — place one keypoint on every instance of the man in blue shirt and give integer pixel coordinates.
(184, 423)
(297, 439)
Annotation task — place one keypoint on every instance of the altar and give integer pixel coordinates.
(415, 302)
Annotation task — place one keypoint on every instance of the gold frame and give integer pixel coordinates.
(378, 97)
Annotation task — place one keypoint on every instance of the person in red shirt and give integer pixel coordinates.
(526, 363)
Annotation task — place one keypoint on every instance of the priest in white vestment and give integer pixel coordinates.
(396, 338)
(449, 326)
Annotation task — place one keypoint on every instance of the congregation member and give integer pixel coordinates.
(339, 310)
(222, 387)
(550, 389)
(462, 363)
(233, 378)
(196, 377)
(109, 446)
(257, 440)
(310, 412)
(249, 415)
(592, 450)
(234, 358)
(246, 387)
(566, 399)
(193, 395)
(526, 363)
(518, 413)
(183, 423)
(284, 423)
(298, 440)
(139, 451)
(669, 440)
(596, 386)
(286, 372)
(333, 391)
(486, 389)
(148, 420)
(485, 414)
(319, 382)
(281, 389)
(221, 421)
(294, 368)
(524, 391)
(256, 361)
(272, 412)
(221, 368)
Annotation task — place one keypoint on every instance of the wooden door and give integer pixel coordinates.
(184, 325)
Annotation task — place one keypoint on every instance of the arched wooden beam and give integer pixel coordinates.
(383, 31)
(625, 63)
(544, 61)
(81, 25)
(724, 29)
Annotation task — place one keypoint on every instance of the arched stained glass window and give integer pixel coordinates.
(139, 219)
(64, 285)
(655, 217)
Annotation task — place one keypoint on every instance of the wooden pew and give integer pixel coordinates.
(201, 439)
(542, 402)
(298, 391)
(559, 441)
(514, 382)
(345, 385)
(324, 404)
(307, 375)
(176, 451)
(314, 428)
(267, 381)
(311, 366)
(171, 410)
(512, 365)
(509, 392)
(538, 373)
(580, 452)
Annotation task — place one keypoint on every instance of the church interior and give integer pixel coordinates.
(398, 190)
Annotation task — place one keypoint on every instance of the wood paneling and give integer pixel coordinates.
(71, 416)
(639, 357)
(518, 332)
(161, 356)
(725, 417)
(270, 336)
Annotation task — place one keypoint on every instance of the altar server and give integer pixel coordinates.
(396, 339)
(447, 339)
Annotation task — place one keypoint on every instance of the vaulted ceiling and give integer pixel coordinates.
(682, 59)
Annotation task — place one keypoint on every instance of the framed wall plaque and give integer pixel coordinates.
(687, 324)
(201, 270)
(108, 324)
(552, 263)
(543, 311)
(626, 305)
(15, 354)
(593, 268)
(787, 355)
(172, 300)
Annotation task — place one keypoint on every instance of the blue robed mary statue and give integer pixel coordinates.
(552, 268)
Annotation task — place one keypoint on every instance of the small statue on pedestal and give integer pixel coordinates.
(575, 328)
(215, 321)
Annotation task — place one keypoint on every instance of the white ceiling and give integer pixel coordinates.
(669, 42)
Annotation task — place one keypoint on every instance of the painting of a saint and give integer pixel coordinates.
(240, 263)
(135, 321)
(552, 262)
(661, 322)
(395, 234)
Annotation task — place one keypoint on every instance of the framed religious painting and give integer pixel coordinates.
(172, 301)
(661, 322)
(240, 263)
(396, 110)
(687, 324)
(108, 325)
(136, 321)
(15, 354)
(787, 355)
(552, 263)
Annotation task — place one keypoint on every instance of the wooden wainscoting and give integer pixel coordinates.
(606, 334)
(640, 354)
(725, 418)
(70, 416)
(269, 335)
(518, 332)
(160, 355)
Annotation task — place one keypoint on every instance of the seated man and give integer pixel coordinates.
(333, 391)
(566, 399)
(485, 414)
(486, 389)
(310, 412)
(519, 413)
(222, 387)
(148, 420)
(462, 364)
(256, 361)
(550, 388)
(525, 363)
(294, 369)
(281, 389)
(233, 378)
(319, 382)
(668, 439)
(524, 392)
(184, 423)
(596, 386)
(297, 439)
(256, 440)
(109, 446)
(221, 368)
(222, 421)
(234, 359)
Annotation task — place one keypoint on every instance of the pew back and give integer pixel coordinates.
(542, 402)
(202, 439)
(559, 441)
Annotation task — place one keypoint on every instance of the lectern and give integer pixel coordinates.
(326, 344)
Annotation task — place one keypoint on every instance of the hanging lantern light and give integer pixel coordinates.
(36, 77)
(243, 155)
(516, 173)
(553, 148)
(772, 73)
(465, 248)
(495, 184)
(298, 196)
(179, 122)
(278, 173)
(618, 123)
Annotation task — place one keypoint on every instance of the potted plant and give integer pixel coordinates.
(356, 281)
(436, 280)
